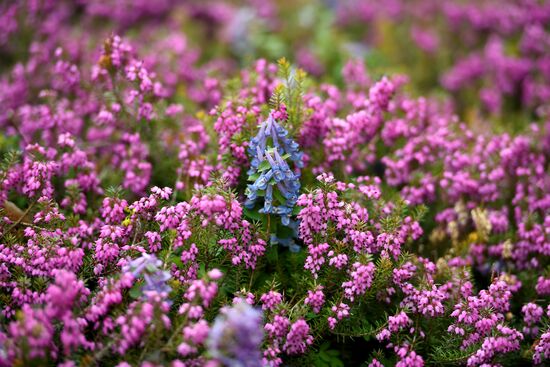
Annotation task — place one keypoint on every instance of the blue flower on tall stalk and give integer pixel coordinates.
(271, 151)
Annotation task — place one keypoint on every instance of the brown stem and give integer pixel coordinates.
(18, 221)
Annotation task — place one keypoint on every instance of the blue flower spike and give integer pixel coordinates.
(273, 154)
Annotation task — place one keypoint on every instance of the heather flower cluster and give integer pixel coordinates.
(172, 195)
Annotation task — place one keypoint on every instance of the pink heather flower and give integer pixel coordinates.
(315, 299)
(375, 363)
(542, 349)
(202, 290)
(532, 314)
(271, 300)
(507, 340)
(298, 338)
(381, 92)
(339, 261)
(543, 286)
(408, 357)
(271, 356)
(481, 314)
(428, 302)
(215, 274)
(162, 193)
(362, 241)
(326, 177)
(278, 328)
(35, 328)
(65, 293)
(395, 324)
(112, 210)
(354, 73)
(332, 322)
(154, 240)
(194, 312)
(341, 311)
(361, 279)
(134, 323)
(405, 272)
(185, 349)
(316, 257)
(241, 297)
(196, 333)
(426, 39)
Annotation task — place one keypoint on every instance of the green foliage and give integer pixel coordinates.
(9, 159)
(114, 192)
(449, 351)
(294, 84)
(358, 326)
(326, 357)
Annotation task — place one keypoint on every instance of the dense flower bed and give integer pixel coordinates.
(174, 196)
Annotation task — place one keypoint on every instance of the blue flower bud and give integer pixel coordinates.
(249, 204)
(285, 220)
